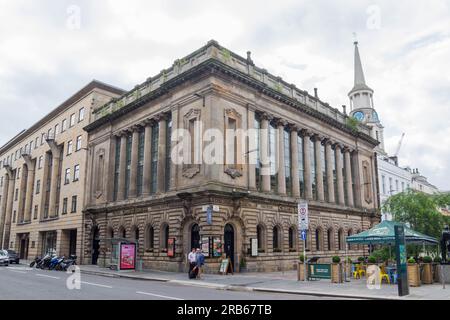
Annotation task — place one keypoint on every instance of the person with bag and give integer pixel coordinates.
(200, 258)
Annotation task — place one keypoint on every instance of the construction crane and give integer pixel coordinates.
(399, 145)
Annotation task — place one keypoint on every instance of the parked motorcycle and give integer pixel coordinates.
(45, 262)
(67, 263)
(55, 262)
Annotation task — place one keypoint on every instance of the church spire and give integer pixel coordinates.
(359, 72)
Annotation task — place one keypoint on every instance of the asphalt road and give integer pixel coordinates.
(23, 283)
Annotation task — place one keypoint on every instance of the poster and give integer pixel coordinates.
(205, 246)
(254, 243)
(171, 247)
(127, 256)
(217, 247)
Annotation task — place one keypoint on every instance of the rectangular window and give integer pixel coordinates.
(18, 173)
(74, 204)
(81, 115)
(67, 176)
(64, 207)
(287, 161)
(257, 126)
(41, 158)
(69, 147)
(76, 173)
(312, 154)
(273, 156)
(324, 171)
(35, 214)
(335, 184)
(391, 189)
(38, 186)
(140, 167)
(78, 145)
(50, 134)
(128, 163)
(168, 153)
(16, 195)
(14, 216)
(72, 120)
(116, 169)
(154, 165)
(383, 179)
(63, 125)
(56, 129)
(42, 138)
(36, 143)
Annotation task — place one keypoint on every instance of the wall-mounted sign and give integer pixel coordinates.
(205, 246)
(254, 245)
(171, 247)
(217, 247)
(127, 256)
(209, 214)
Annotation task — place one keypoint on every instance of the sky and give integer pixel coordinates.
(51, 49)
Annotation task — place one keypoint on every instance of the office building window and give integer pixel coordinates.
(76, 173)
(128, 165)
(312, 153)
(72, 120)
(38, 186)
(74, 204)
(116, 169)
(78, 145)
(273, 156)
(257, 151)
(383, 182)
(324, 171)
(67, 176)
(287, 161)
(69, 147)
(64, 207)
(168, 153)
(35, 214)
(81, 115)
(140, 168)
(63, 125)
(154, 157)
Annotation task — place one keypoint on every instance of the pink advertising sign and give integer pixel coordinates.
(127, 257)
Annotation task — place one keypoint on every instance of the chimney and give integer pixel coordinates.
(344, 109)
(316, 93)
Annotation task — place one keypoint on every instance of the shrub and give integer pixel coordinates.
(411, 260)
(372, 259)
(336, 259)
(361, 259)
(302, 258)
(427, 259)
(437, 259)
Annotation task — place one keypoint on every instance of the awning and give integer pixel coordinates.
(384, 233)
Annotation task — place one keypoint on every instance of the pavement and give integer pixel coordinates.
(23, 283)
(281, 283)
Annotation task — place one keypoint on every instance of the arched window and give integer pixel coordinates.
(349, 234)
(164, 236)
(150, 238)
(319, 239)
(330, 239)
(341, 240)
(136, 233)
(110, 233)
(291, 238)
(260, 235)
(122, 232)
(276, 239)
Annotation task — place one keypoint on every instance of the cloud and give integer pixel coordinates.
(405, 56)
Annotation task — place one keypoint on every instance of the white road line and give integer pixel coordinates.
(96, 285)
(45, 276)
(157, 295)
(22, 272)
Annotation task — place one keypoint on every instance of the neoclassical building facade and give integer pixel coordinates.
(302, 150)
(42, 178)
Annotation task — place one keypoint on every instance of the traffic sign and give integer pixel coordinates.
(303, 234)
(303, 219)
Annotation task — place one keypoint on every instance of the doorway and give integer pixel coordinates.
(95, 245)
(229, 242)
(73, 242)
(195, 237)
(24, 243)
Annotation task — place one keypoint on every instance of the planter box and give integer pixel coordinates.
(437, 272)
(301, 271)
(336, 273)
(427, 274)
(413, 275)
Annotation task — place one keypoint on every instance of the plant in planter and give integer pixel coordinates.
(301, 268)
(361, 259)
(336, 270)
(302, 258)
(413, 273)
(427, 275)
(372, 260)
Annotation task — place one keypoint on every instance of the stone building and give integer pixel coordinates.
(42, 178)
(305, 151)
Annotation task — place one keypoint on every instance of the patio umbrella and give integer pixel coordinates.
(384, 233)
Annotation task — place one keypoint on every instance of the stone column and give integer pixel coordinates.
(134, 162)
(22, 194)
(147, 158)
(294, 162)
(307, 165)
(280, 150)
(122, 167)
(9, 207)
(348, 176)
(173, 144)
(339, 177)
(265, 170)
(30, 183)
(330, 178)
(319, 173)
(3, 207)
(161, 172)
(56, 156)
(251, 148)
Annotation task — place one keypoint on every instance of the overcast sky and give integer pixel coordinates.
(50, 49)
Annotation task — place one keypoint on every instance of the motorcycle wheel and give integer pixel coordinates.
(32, 264)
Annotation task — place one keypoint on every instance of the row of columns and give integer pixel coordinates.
(135, 130)
(308, 179)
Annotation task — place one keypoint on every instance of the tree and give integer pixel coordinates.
(420, 210)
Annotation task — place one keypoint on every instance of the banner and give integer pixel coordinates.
(127, 256)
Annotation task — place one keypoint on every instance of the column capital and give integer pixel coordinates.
(135, 128)
(318, 137)
(306, 133)
(347, 149)
(327, 141)
(293, 127)
(280, 122)
(161, 117)
(251, 107)
(266, 116)
(338, 145)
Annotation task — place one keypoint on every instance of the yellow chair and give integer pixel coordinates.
(359, 272)
(384, 275)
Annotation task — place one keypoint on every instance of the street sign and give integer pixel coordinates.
(209, 213)
(303, 235)
(303, 220)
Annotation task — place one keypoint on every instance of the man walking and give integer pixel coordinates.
(200, 258)
(192, 259)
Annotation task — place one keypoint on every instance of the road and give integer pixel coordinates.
(23, 283)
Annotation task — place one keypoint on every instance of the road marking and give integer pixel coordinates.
(16, 271)
(96, 285)
(157, 295)
(46, 276)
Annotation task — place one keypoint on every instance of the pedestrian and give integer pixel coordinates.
(192, 259)
(200, 258)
